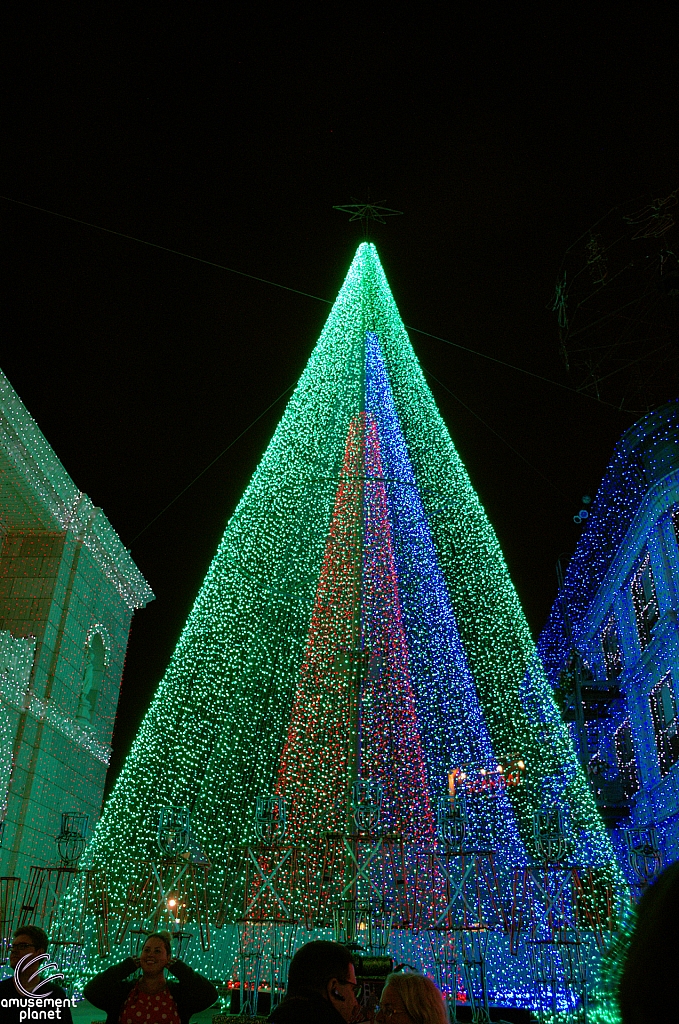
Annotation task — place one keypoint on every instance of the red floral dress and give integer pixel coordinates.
(142, 1008)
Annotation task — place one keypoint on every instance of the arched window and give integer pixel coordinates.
(95, 660)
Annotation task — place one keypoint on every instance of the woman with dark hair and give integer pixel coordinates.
(151, 999)
(647, 988)
(410, 998)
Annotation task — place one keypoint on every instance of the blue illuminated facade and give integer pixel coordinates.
(611, 644)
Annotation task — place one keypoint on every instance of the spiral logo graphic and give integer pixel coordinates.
(28, 961)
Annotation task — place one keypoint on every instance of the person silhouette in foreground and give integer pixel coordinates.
(647, 989)
(28, 943)
(151, 999)
(322, 987)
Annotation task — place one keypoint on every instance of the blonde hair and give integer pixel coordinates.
(421, 998)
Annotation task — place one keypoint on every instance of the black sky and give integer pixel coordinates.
(501, 138)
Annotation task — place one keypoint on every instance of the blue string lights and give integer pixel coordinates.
(358, 624)
(621, 595)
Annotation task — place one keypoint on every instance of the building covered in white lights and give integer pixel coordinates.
(68, 589)
(611, 645)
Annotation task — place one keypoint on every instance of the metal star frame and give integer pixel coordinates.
(367, 212)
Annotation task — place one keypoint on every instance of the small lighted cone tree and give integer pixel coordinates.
(359, 537)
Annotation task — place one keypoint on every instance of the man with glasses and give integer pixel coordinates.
(322, 987)
(30, 942)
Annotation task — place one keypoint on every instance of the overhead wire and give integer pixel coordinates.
(511, 366)
(297, 291)
(164, 248)
(317, 298)
(216, 459)
(493, 431)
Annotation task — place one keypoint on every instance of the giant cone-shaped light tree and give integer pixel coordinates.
(358, 542)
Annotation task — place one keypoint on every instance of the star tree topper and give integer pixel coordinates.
(367, 212)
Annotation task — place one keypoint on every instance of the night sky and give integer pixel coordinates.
(501, 140)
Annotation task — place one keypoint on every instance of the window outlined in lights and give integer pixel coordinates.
(663, 703)
(645, 601)
(627, 762)
(610, 644)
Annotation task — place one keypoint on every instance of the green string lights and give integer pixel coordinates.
(315, 567)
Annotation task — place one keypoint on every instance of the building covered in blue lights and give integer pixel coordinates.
(611, 643)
